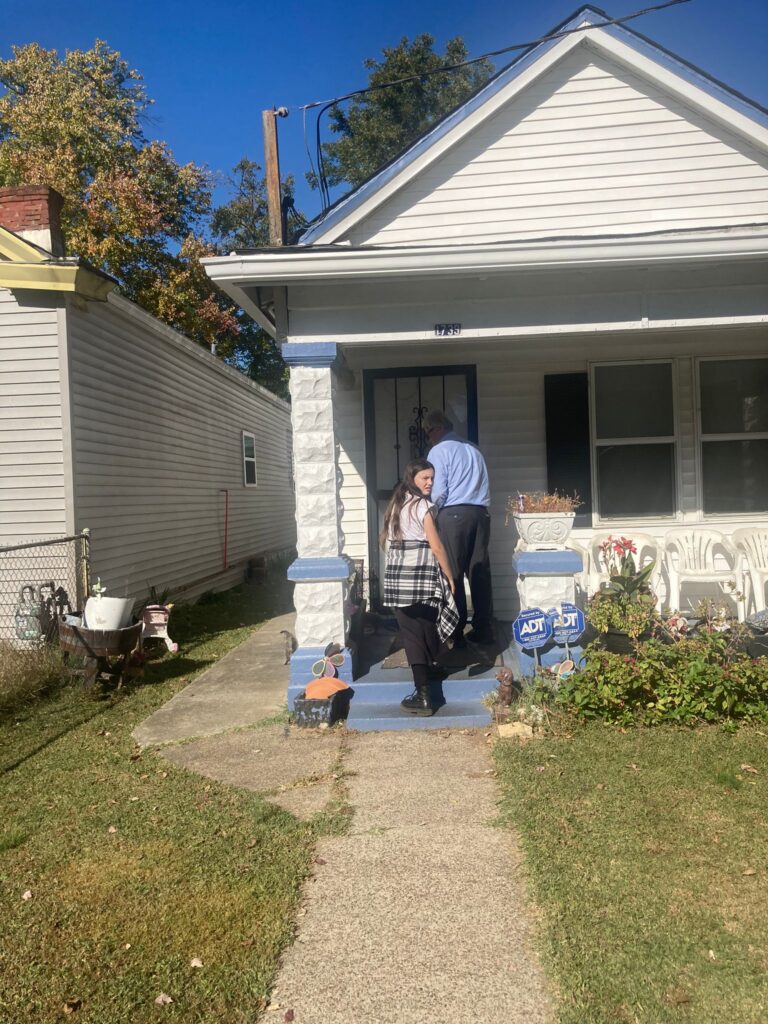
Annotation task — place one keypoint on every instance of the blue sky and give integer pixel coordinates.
(211, 69)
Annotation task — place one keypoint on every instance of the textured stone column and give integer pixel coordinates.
(320, 573)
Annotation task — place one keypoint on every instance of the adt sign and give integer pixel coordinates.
(532, 628)
(568, 623)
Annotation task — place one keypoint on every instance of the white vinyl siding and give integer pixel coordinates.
(32, 477)
(590, 148)
(510, 382)
(157, 438)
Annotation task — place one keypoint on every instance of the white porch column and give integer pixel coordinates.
(320, 572)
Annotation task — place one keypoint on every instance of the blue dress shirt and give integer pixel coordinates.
(461, 476)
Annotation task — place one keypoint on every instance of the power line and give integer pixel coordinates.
(492, 53)
(325, 105)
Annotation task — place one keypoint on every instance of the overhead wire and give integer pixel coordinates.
(325, 105)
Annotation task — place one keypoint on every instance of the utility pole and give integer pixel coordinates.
(272, 173)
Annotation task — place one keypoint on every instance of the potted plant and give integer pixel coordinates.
(624, 609)
(543, 521)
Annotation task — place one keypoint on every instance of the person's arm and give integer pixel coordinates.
(439, 494)
(433, 538)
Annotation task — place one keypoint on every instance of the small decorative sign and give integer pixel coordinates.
(567, 623)
(447, 330)
(532, 628)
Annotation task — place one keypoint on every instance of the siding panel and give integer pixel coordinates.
(157, 427)
(590, 149)
(32, 500)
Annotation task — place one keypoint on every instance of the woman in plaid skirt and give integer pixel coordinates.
(418, 582)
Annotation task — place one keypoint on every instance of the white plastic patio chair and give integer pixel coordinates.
(692, 554)
(752, 546)
(647, 551)
(582, 578)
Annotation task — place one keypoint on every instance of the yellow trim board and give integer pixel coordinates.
(17, 249)
(56, 277)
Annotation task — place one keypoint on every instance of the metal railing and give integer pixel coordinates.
(39, 581)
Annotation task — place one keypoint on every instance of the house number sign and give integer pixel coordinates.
(447, 330)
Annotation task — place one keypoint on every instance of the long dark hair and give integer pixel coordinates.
(403, 492)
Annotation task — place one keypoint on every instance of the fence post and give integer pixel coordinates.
(84, 569)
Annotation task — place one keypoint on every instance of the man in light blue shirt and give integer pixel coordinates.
(462, 496)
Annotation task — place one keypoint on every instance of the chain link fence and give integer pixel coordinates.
(40, 581)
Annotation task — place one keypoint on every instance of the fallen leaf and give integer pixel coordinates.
(247, 942)
(274, 1006)
(163, 999)
(749, 871)
(111, 830)
(27, 895)
(712, 955)
(633, 766)
(289, 1015)
(319, 860)
(749, 768)
(133, 799)
(127, 945)
(541, 768)
(600, 785)
(72, 1005)
(251, 844)
(143, 776)
(195, 962)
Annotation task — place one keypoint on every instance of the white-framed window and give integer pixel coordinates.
(249, 459)
(634, 440)
(733, 434)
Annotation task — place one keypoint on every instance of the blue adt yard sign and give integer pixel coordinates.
(568, 623)
(532, 628)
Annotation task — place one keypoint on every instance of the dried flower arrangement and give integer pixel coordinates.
(541, 501)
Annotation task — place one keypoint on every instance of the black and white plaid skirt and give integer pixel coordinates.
(412, 576)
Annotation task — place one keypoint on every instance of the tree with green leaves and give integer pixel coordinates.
(375, 126)
(76, 124)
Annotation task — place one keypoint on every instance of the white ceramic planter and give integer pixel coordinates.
(544, 531)
(108, 612)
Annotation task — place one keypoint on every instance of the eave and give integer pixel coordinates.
(328, 263)
(56, 276)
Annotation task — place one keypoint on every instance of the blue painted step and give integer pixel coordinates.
(394, 690)
(388, 717)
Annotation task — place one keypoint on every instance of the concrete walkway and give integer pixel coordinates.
(419, 912)
(247, 685)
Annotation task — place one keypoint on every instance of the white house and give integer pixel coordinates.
(178, 465)
(573, 264)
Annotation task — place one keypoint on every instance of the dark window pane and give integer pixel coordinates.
(566, 405)
(734, 396)
(735, 476)
(636, 480)
(249, 449)
(634, 400)
(250, 472)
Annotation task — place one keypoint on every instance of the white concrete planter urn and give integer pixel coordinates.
(542, 531)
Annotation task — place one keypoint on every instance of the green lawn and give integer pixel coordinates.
(648, 853)
(135, 867)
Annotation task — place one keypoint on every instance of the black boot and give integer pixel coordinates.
(420, 701)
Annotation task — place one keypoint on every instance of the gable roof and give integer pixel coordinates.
(668, 71)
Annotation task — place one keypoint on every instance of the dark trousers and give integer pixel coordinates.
(418, 629)
(465, 530)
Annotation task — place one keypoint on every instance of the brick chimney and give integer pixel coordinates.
(34, 213)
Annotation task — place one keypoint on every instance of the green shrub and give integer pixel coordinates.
(27, 673)
(704, 678)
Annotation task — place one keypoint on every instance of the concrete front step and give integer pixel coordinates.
(459, 714)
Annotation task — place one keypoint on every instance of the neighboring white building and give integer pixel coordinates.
(178, 465)
(573, 264)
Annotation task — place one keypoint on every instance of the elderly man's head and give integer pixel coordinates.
(436, 426)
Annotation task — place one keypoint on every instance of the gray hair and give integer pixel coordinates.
(437, 418)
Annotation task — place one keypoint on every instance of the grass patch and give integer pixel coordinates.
(134, 866)
(648, 854)
(25, 675)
